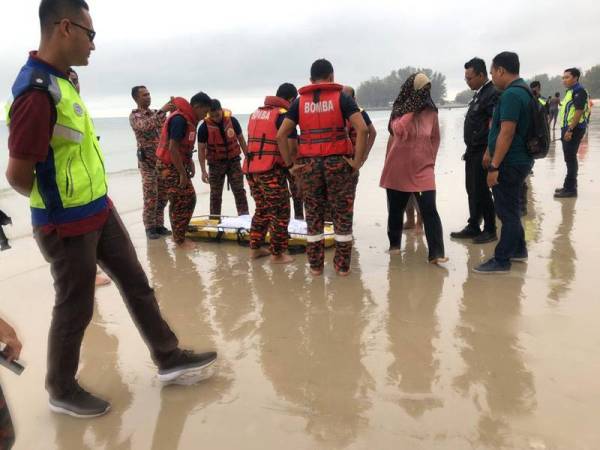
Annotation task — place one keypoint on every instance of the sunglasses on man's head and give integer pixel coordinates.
(91, 34)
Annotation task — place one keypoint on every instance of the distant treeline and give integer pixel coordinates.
(590, 80)
(381, 92)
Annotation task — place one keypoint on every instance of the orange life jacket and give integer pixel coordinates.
(186, 146)
(322, 126)
(263, 152)
(216, 148)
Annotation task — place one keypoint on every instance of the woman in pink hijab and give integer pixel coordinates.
(410, 163)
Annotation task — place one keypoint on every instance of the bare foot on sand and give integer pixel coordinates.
(440, 260)
(187, 245)
(394, 251)
(259, 253)
(343, 273)
(281, 259)
(102, 280)
(316, 272)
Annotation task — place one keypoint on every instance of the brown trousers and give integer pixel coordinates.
(73, 263)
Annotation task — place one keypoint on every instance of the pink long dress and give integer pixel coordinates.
(410, 162)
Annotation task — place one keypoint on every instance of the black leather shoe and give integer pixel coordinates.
(466, 233)
(485, 237)
(565, 194)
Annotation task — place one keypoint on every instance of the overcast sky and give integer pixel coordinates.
(240, 51)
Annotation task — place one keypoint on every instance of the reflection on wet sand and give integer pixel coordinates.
(562, 256)
(413, 328)
(311, 349)
(99, 368)
(189, 313)
(495, 378)
(230, 292)
(398, 355)
(532, 221)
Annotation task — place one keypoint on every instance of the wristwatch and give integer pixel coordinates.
(492, 168)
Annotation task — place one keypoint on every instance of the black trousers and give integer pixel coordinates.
(570, 153)
(481, 202)
(434, 234)
(508, 196)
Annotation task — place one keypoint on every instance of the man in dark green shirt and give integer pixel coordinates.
(507, 160)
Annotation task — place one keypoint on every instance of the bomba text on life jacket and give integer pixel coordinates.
(312, 107)
(262, 114)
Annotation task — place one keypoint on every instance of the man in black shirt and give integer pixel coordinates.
(476, 129)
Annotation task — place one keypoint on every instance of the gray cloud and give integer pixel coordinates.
(250, 62)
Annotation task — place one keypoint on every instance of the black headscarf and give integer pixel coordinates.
(409, 100)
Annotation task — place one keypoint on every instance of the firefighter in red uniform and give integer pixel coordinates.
(175, 164)
(326, 163)
(220, 142)
(267, 176)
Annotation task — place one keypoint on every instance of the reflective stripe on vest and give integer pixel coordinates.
(71, 184)
(567, 111)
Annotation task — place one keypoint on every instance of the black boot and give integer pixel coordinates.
(151, 233)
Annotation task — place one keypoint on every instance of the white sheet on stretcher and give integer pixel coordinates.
(245, 222)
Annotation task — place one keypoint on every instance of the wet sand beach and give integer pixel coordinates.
(399, 355)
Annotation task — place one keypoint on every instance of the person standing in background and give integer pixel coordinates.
(476, 130)
(176, 164)
(508, 161)
(266, 174)
(327, 162)
(409, 166)
(221, 142)
(146, 124)
(554, 106)
(372, 132)
(573, 119)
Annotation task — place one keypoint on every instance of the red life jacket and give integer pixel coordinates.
(352, 132)
(216, 149)
(263, 152)
(186, 146)
(322, 126)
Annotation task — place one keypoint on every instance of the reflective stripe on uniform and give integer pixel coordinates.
(342, 237)
(54, 90)
(315, 238)
(67, 133)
